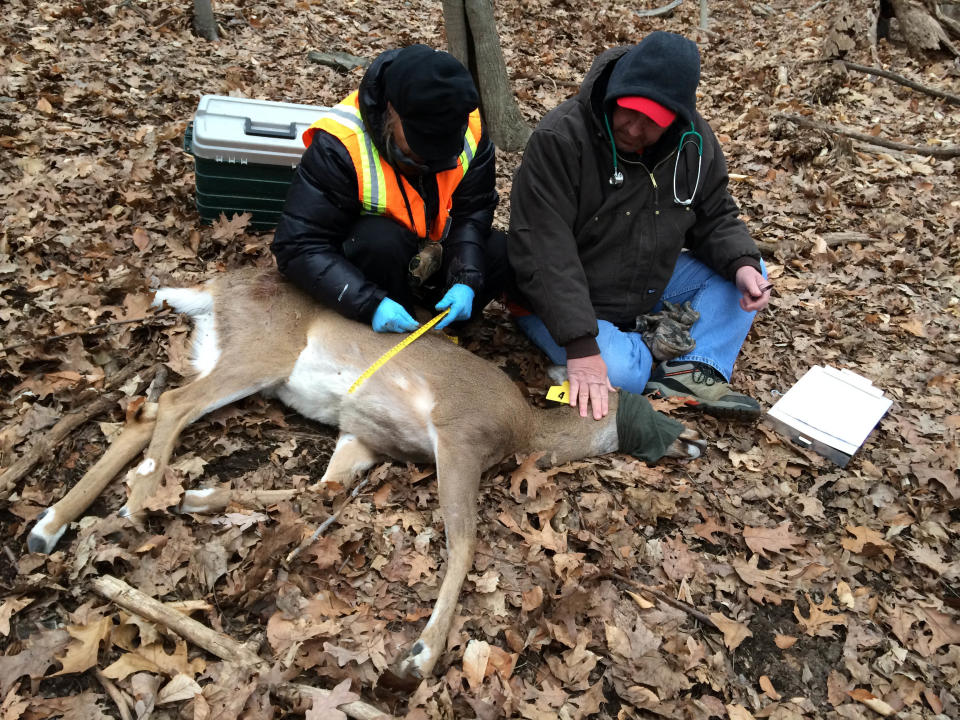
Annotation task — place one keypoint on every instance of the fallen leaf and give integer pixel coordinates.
(867, 542)
(181, 687)
(943, 631)
(845, 595)
(768, 688)
(871, 701)
(475, 659)
(326, 707)
(784, 642)
(820, 622)
(739, 712)
(10, 607)
(84, 648)
(777, 539)
(734, 632)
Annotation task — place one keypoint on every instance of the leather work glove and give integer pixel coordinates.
(459, 299)
(391, 316)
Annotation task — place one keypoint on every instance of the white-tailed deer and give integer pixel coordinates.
(434, 402)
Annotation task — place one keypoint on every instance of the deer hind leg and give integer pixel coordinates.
(177, 409)
(53, 521)
(458, 480)
(350, 459)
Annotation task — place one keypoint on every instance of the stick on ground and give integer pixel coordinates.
(938, 151)
(223, 646)
(948, 97)
(70, 422)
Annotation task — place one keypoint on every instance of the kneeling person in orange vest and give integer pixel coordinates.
(392, 204)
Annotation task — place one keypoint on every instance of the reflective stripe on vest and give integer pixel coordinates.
(378, 184)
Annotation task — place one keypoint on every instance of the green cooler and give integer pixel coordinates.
(246, 153)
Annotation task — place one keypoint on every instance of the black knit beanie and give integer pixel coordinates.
(663, 67)
(434, 95)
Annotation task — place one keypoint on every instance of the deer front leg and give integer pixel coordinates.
(53, 521)
(458, 481)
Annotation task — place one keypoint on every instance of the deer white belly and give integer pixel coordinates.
(318, 383)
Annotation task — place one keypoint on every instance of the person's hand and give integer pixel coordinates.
(755, 288)
(589, 385)
(391, 316)
(459, 299)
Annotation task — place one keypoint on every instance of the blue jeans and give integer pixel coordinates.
(720, 331)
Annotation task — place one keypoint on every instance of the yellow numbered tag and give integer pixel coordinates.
(560, 393)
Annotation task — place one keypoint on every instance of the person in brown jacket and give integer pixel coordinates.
(620, 209)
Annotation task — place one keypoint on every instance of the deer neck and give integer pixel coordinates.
(565, 436)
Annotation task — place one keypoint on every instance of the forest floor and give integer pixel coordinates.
(831, 592)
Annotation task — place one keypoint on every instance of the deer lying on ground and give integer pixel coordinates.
(433, 402)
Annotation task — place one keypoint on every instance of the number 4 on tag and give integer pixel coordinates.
(559, 393)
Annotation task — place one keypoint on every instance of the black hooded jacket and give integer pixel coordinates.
(583, 248)
(322, 206)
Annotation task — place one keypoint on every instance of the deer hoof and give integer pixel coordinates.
(407, 674)
(43, 538)
(688, 446)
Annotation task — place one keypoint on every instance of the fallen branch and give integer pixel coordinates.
(675, 602)
(949, 97)
(660, 10)
(339, 61)
(146, 319)
(944, 151)
(114, 692)
(544, 79)
(832, 239)
(329, 521)
(223, 646)
(70, 422)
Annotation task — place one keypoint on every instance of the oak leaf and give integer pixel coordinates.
(777, 539)
(867, 542)
(943, 628)
(528, 472)
(734, 632)
(8, 608)
(34, 661)
(84, 648)
(820, 622)
(475, 660)
(327, 706)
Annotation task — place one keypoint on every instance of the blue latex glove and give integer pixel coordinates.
(390, 316)
(459, 299)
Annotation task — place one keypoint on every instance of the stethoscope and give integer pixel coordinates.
(688, 137)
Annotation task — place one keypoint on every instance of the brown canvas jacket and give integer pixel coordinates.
(583, 249)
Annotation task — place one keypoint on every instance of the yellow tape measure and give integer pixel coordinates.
(381, 361)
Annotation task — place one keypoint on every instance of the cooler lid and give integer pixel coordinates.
(242, 130)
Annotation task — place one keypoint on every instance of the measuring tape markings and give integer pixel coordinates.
(381, 361)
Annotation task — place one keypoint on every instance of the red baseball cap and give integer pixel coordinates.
(653, 110)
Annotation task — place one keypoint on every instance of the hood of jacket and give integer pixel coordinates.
(663, 67)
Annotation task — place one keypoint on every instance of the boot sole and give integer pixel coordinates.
(716, 409)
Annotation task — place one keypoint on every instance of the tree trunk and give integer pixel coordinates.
(204, 24)
(473, 39)
(921, 30)
(458, 35)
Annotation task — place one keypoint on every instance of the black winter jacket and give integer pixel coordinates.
(322, 206)
(583, 249)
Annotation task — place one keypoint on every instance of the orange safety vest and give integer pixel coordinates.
(379, 184)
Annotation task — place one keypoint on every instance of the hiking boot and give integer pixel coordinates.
(668, 339)
(703, 388)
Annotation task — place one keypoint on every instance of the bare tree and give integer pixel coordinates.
(204, 24)
(472, 38)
